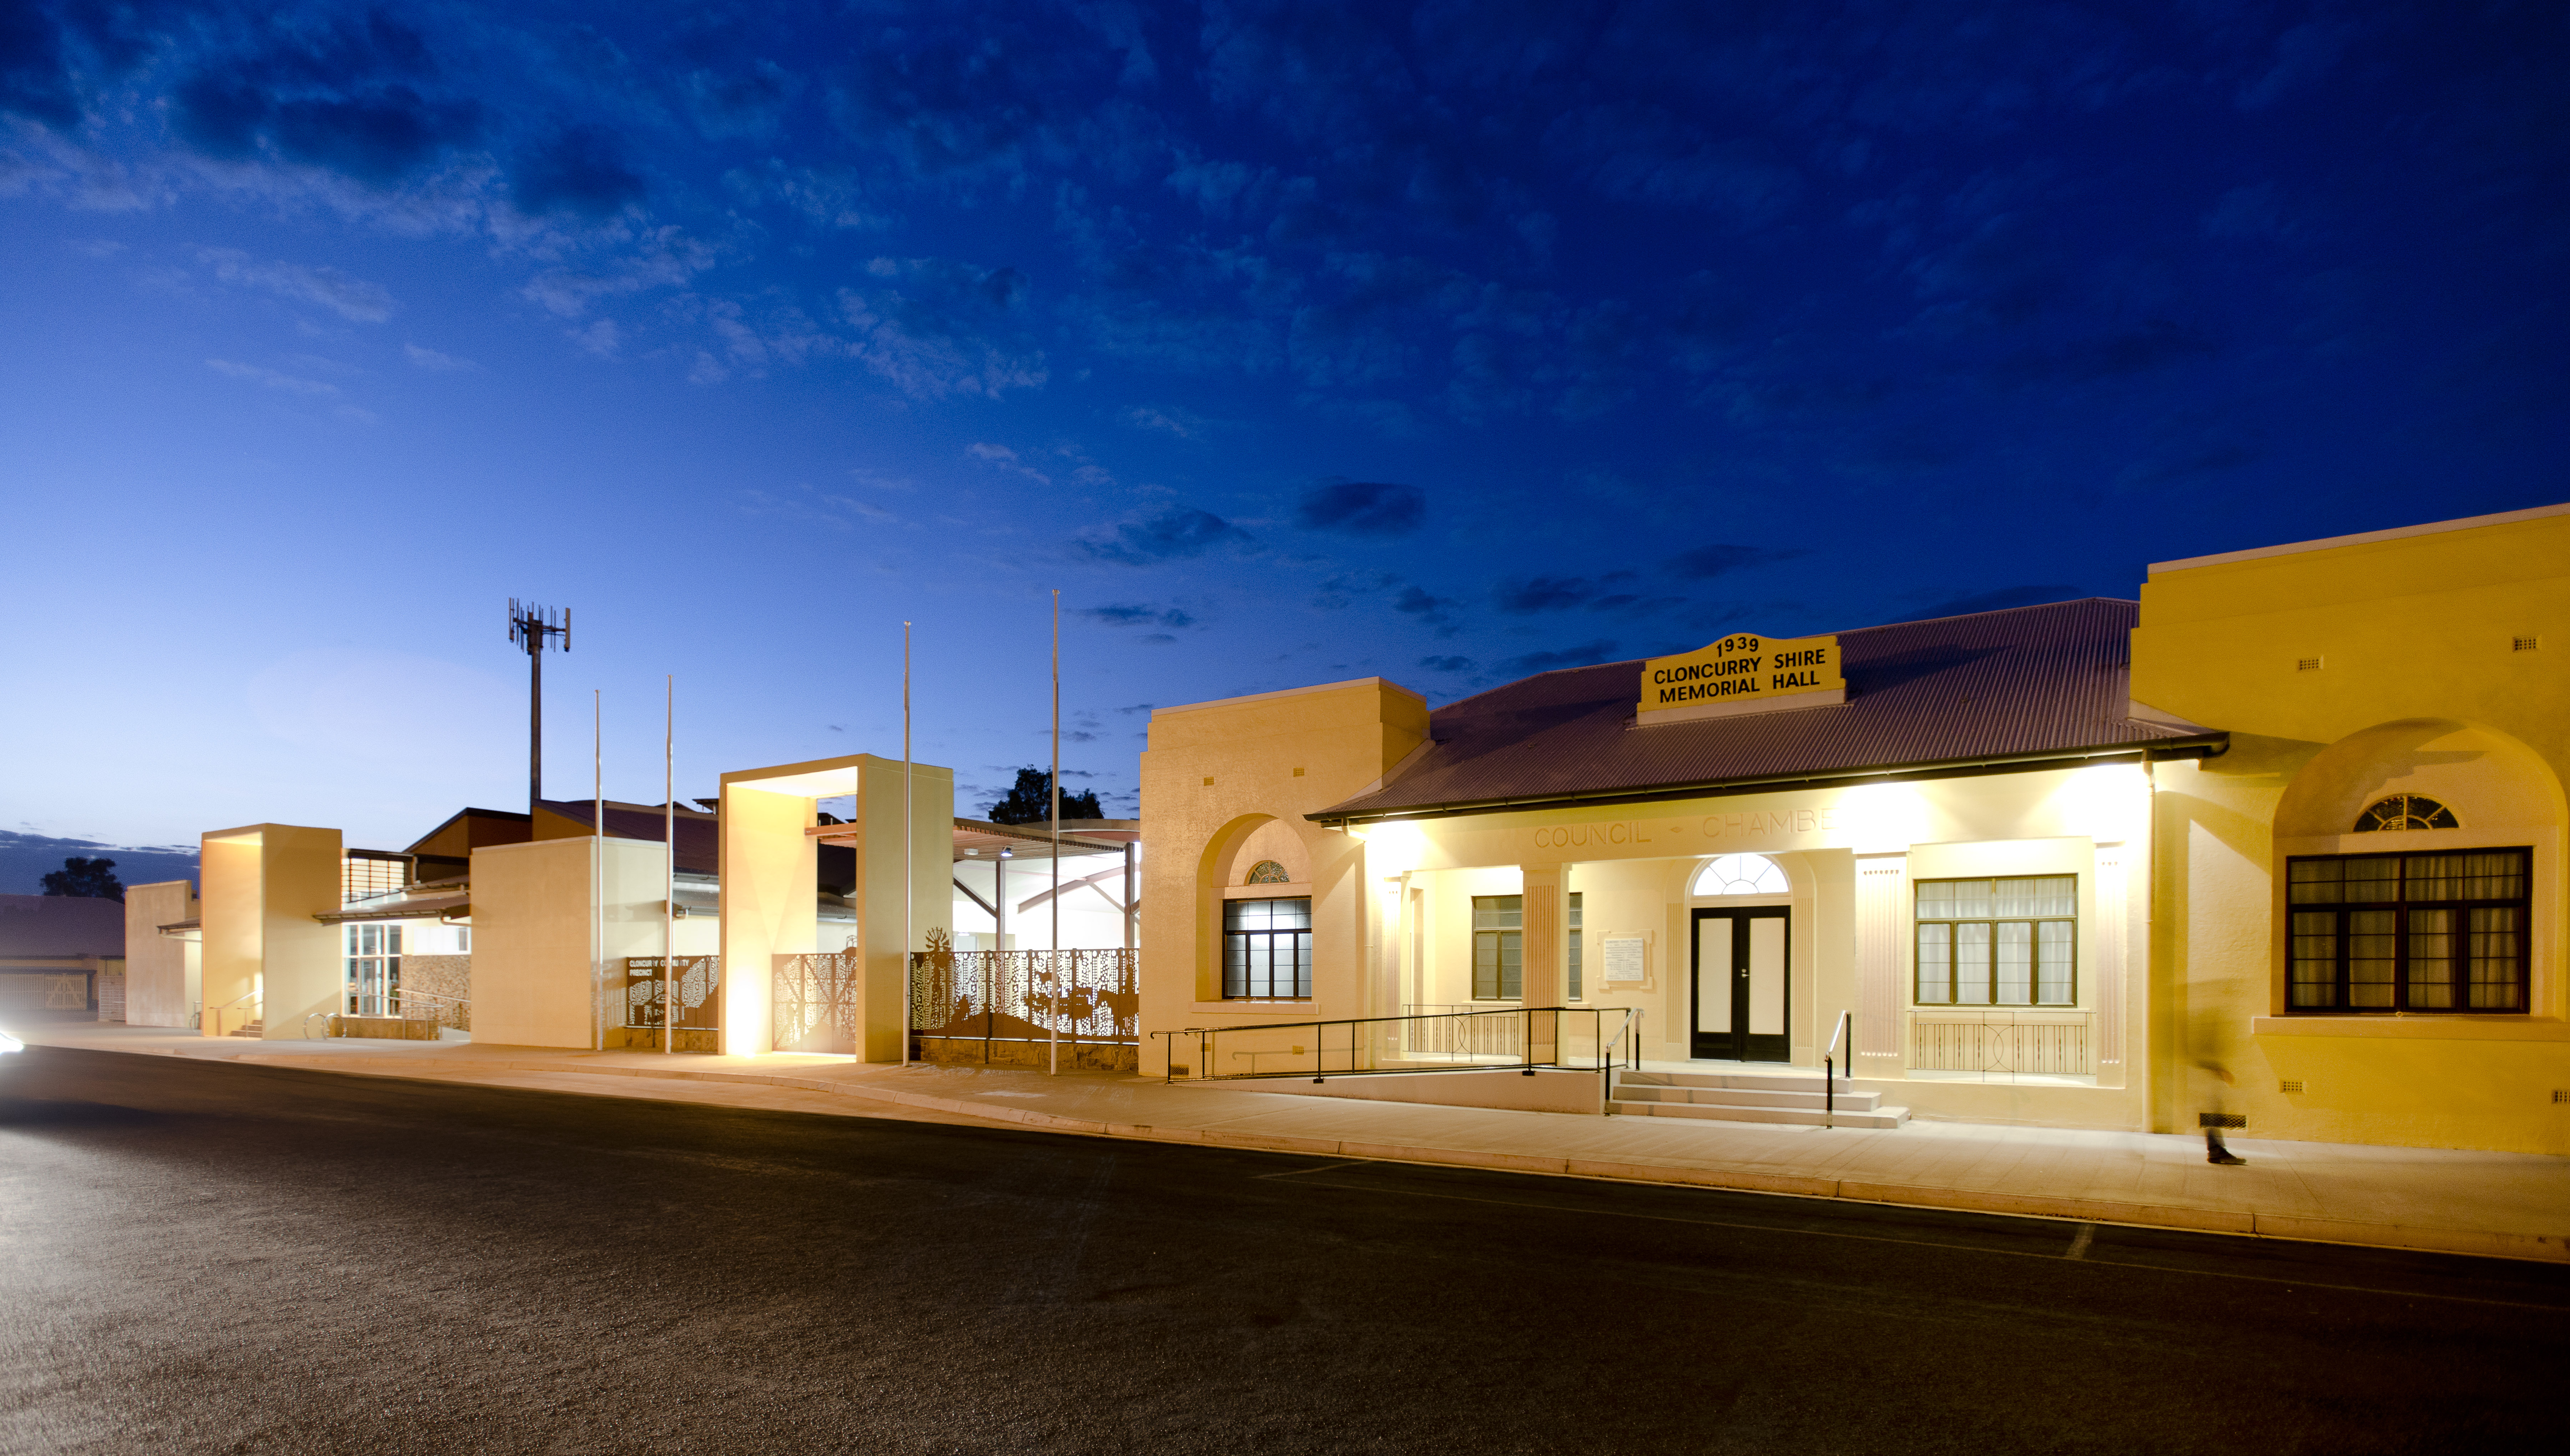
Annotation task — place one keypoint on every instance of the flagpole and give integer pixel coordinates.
(597, 873)
(1053, 1021)
(909, 838)
(670, 874)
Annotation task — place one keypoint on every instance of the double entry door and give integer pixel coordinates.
(1742, 981)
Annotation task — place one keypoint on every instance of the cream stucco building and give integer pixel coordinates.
(2279, 842)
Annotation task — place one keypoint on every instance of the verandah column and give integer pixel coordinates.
(1881, 885)
(1540, 937)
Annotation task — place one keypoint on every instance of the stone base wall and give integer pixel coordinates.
(445, 982)
(1077, 1056)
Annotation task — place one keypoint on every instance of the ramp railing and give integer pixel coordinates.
(1576, 1038)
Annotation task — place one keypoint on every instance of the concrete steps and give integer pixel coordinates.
(1798, 1099)
(253, 1029)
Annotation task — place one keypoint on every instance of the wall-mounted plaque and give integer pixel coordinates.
(1624, 958)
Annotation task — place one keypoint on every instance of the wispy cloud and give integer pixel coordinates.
(1436, 611)
(1362, 508)
(938, 327)
(437, 363)
(1165, 421)
(353, 299)
(1139, 615)
(1708, 562)
(284, 382)
(1177, 534)
(1000, 457)
(1580, 656)
(802, 504)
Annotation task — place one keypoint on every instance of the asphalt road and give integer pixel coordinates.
(201, 1256)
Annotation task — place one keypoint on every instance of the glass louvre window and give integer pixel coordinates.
(1267, 950)
(1570, 962)
(365, 873)
(1499, 948)
(2410, 933)
(2003, 941)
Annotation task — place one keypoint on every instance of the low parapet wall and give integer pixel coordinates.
(1077, 1056)
(1510, 1089)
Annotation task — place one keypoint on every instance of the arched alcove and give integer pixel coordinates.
(1270, 850)
(1272, 842)
(2486, 782)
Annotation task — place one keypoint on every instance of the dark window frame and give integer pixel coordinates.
(1499, 948)
(1920, 925)
(1250, 952)
(1574, 967)
(2303, 993)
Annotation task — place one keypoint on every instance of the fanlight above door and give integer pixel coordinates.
(1741, 875)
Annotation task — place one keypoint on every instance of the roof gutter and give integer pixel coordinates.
(437, 909)
(2201, 746)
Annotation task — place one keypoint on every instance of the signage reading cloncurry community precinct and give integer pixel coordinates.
(1742, 673)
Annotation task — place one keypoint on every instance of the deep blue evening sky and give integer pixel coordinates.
(1446, 342)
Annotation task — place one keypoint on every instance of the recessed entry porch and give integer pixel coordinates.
(1948, 968)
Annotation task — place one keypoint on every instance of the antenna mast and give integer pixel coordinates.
(529, 626)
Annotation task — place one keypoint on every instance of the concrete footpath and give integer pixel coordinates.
(2509, 1205)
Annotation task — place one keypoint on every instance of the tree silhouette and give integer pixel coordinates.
(1030, 802)
(89, 879)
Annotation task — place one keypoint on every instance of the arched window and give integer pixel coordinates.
(1268, 872)
(2406, 811)
(1741, 875)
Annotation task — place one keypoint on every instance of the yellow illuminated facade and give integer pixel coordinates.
(2096, 931)
(2397, 704)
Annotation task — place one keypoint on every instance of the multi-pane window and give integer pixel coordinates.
(1570, 962)
(1499, 948)
(374, 968)
(2003, 941)
(1267, 948)
(2410, 933)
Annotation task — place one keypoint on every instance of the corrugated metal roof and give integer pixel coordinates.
(2027, 682)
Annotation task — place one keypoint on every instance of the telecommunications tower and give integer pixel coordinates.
(529, 626)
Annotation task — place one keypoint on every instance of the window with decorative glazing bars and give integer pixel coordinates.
(1499, 948)
(2410, 933)
(1267, 950)
(2406, 811)
(2004, 941)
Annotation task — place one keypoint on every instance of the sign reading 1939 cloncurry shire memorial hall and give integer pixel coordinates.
(1742, 673)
